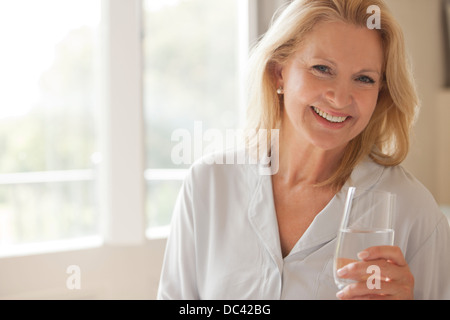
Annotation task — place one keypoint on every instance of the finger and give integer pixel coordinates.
(362, 270)
(391, 253)
(361, 291)
(383, 278)
(370, 297)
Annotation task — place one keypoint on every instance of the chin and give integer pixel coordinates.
(329, 145)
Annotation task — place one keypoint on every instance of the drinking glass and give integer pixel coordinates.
(367, 221)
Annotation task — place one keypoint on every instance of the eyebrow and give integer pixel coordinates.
(370, 70)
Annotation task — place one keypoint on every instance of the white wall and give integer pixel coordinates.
(265, 11)
(429, 158)
(106, 272)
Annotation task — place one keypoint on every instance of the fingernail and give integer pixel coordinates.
(340, 294)
(341, 272)
(363, 255)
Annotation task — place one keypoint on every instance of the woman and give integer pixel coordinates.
(342, 98)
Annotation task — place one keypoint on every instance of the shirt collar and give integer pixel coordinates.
(324, 226)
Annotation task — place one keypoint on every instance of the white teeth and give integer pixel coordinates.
(329, 117)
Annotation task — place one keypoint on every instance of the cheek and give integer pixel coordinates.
(302, 91)
(367, 106)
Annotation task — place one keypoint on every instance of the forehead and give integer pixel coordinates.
(344, 43)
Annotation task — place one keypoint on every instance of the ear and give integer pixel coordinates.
(276, 70)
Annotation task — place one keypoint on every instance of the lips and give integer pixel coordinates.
(329, 117)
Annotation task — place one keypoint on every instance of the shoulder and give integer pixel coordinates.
(409, 190)
(223, 164)
(222, 172)
(419, 223)
(418, 215)
(417, 212)
(397, 180)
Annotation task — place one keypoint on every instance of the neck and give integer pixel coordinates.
(303, 163)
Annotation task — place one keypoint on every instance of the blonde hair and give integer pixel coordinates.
(386, 137)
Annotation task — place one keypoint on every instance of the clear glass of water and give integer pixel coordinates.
(367, 221)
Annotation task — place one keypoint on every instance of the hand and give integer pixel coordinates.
(396, 282)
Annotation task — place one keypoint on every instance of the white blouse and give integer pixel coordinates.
(224, 241)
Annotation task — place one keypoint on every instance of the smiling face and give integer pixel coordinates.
(331, 84)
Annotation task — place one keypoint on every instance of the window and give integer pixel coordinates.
(49, 66)
(191, 81)
(74, 91)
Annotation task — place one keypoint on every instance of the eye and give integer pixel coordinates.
(322, 69)
(365, 79)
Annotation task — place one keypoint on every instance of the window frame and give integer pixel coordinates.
(121, 135)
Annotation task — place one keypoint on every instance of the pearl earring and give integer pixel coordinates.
(280, 90)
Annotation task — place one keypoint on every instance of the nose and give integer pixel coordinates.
(339, 94)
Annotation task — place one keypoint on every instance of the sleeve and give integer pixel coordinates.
(431, 265)
(178, 275)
